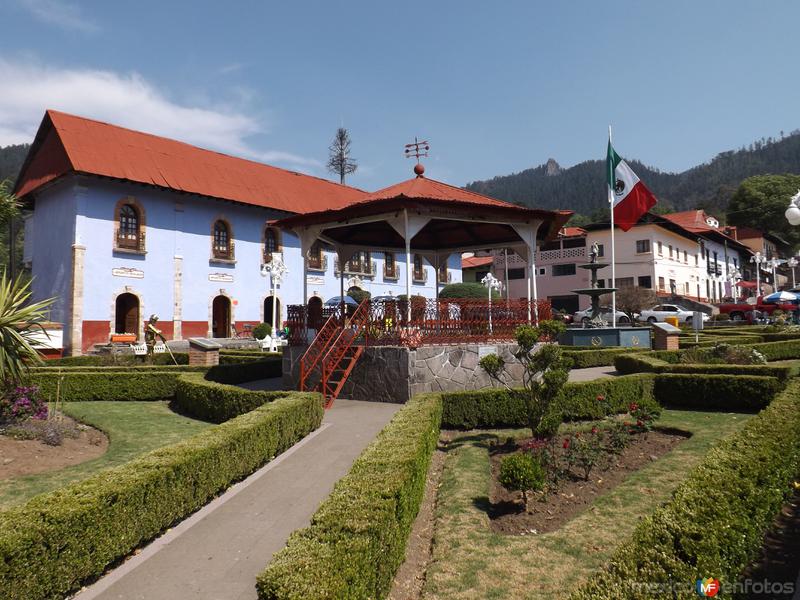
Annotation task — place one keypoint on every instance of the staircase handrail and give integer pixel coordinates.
(317, 348)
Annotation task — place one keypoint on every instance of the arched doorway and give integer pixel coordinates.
(268, 310)
(314, 312)
(221, 317)
(126, 314)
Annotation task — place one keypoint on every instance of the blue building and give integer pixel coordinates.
(123, 224)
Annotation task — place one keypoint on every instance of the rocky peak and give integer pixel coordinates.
(551, 167)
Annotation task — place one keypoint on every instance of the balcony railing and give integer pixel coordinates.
(432, 322)
(363, 270)
(318, 263)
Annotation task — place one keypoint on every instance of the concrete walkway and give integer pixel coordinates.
(591, 373)
(217, 552)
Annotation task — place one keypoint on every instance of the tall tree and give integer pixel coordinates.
(760, 202)
(339, 159)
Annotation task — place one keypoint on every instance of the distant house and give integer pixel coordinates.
(680, 254)
(121, 224)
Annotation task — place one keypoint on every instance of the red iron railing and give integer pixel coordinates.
(319, 346)
(445, 321)
(343, 354)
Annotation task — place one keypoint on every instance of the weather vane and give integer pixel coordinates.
(417, 149)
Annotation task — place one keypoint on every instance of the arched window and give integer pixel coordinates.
(272, 243)
(419, 273)
(223, 247)
(129, 226)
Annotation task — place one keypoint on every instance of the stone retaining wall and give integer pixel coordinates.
(394, 374)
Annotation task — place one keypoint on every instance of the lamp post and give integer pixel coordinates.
(774, 264)
(792, 263)
(733, 278)
(276, 270)
(491, 283)
(758, 259)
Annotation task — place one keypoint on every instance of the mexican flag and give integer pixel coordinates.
(630, 199)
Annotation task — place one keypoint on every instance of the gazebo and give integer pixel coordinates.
(432, 219)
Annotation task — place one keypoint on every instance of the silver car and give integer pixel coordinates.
(662, 311)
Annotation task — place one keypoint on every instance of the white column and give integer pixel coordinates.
(407, 238)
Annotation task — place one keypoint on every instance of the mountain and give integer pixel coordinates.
(710, 185)
(11, 159)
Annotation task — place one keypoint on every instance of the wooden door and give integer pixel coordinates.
(221, 317)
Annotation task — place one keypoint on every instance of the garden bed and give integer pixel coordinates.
(548, 512)
(22, 454)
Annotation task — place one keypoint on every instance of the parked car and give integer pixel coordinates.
(738, 311)
(584, 316)
(662, 311)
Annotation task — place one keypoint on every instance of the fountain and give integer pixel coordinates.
(597, 332)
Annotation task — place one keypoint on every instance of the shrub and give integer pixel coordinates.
(712, 528)
(262, 330)
(105, 384)
(521, 472)
(591, 357)
(118, 360)
(357, 538)
(246, 371)
(197, 397)
(506, 408)
(467, 290)
(744, 393)
(21, 403)
(56, 541)
(358, 294)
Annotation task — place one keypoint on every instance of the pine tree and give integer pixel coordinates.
(339, 160)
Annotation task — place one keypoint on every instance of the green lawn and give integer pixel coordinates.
(472, 562)
(133, 428)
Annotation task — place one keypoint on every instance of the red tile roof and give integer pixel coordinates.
(690, 219)
(572, 232)
(476, 261)
(67, 143)
(422, 188)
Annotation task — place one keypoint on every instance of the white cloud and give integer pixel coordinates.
(128, 100)
(59, 13)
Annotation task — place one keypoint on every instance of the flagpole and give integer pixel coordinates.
(613, 252)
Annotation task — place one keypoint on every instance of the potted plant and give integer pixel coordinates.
(123, 337)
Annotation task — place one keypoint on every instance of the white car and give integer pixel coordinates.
(584, 316)
(662, 311)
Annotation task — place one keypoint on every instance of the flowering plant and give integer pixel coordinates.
(645, 417)
(20, 403)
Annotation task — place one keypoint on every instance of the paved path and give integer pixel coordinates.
(217, 553)
(591, 373)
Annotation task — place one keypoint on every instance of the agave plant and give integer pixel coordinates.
(20, 329)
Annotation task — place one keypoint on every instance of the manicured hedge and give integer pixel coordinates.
(649, 364)
(778, 350)
(582, 359)
(144, 382)
(197, 397)
(506, 408)
(106, 385)
(357, 538)
(118, 360)
(56, 541)
(743, 393)
(715, 522)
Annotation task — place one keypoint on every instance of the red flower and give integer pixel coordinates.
(566, 443)
(594, 429)
(639, 423)
(600, 398)
(633, 406)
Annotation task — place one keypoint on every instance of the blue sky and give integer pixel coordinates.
(495, 86)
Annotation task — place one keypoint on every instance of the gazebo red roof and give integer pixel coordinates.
(69, 144)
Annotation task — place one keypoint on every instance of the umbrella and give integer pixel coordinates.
(337, 300)
(781, 297)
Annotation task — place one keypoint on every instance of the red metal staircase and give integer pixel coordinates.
(333, 354)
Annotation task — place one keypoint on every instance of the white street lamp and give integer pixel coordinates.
(276, 270)
(491, 283)
(792, 263)
(758, 259)
(734, 278)
(774, 264)
(793, 212)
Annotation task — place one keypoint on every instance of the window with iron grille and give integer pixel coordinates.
(644, 281)
(128, 236)
(359, 263)
(222, 240)
(315, 257)
(389, 265)
(271, 243)
(419, 269)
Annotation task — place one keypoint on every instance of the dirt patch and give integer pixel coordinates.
(779, 561)
(410, 577)
(28, 456)
(549, 513)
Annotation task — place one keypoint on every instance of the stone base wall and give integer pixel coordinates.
(394, 374)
